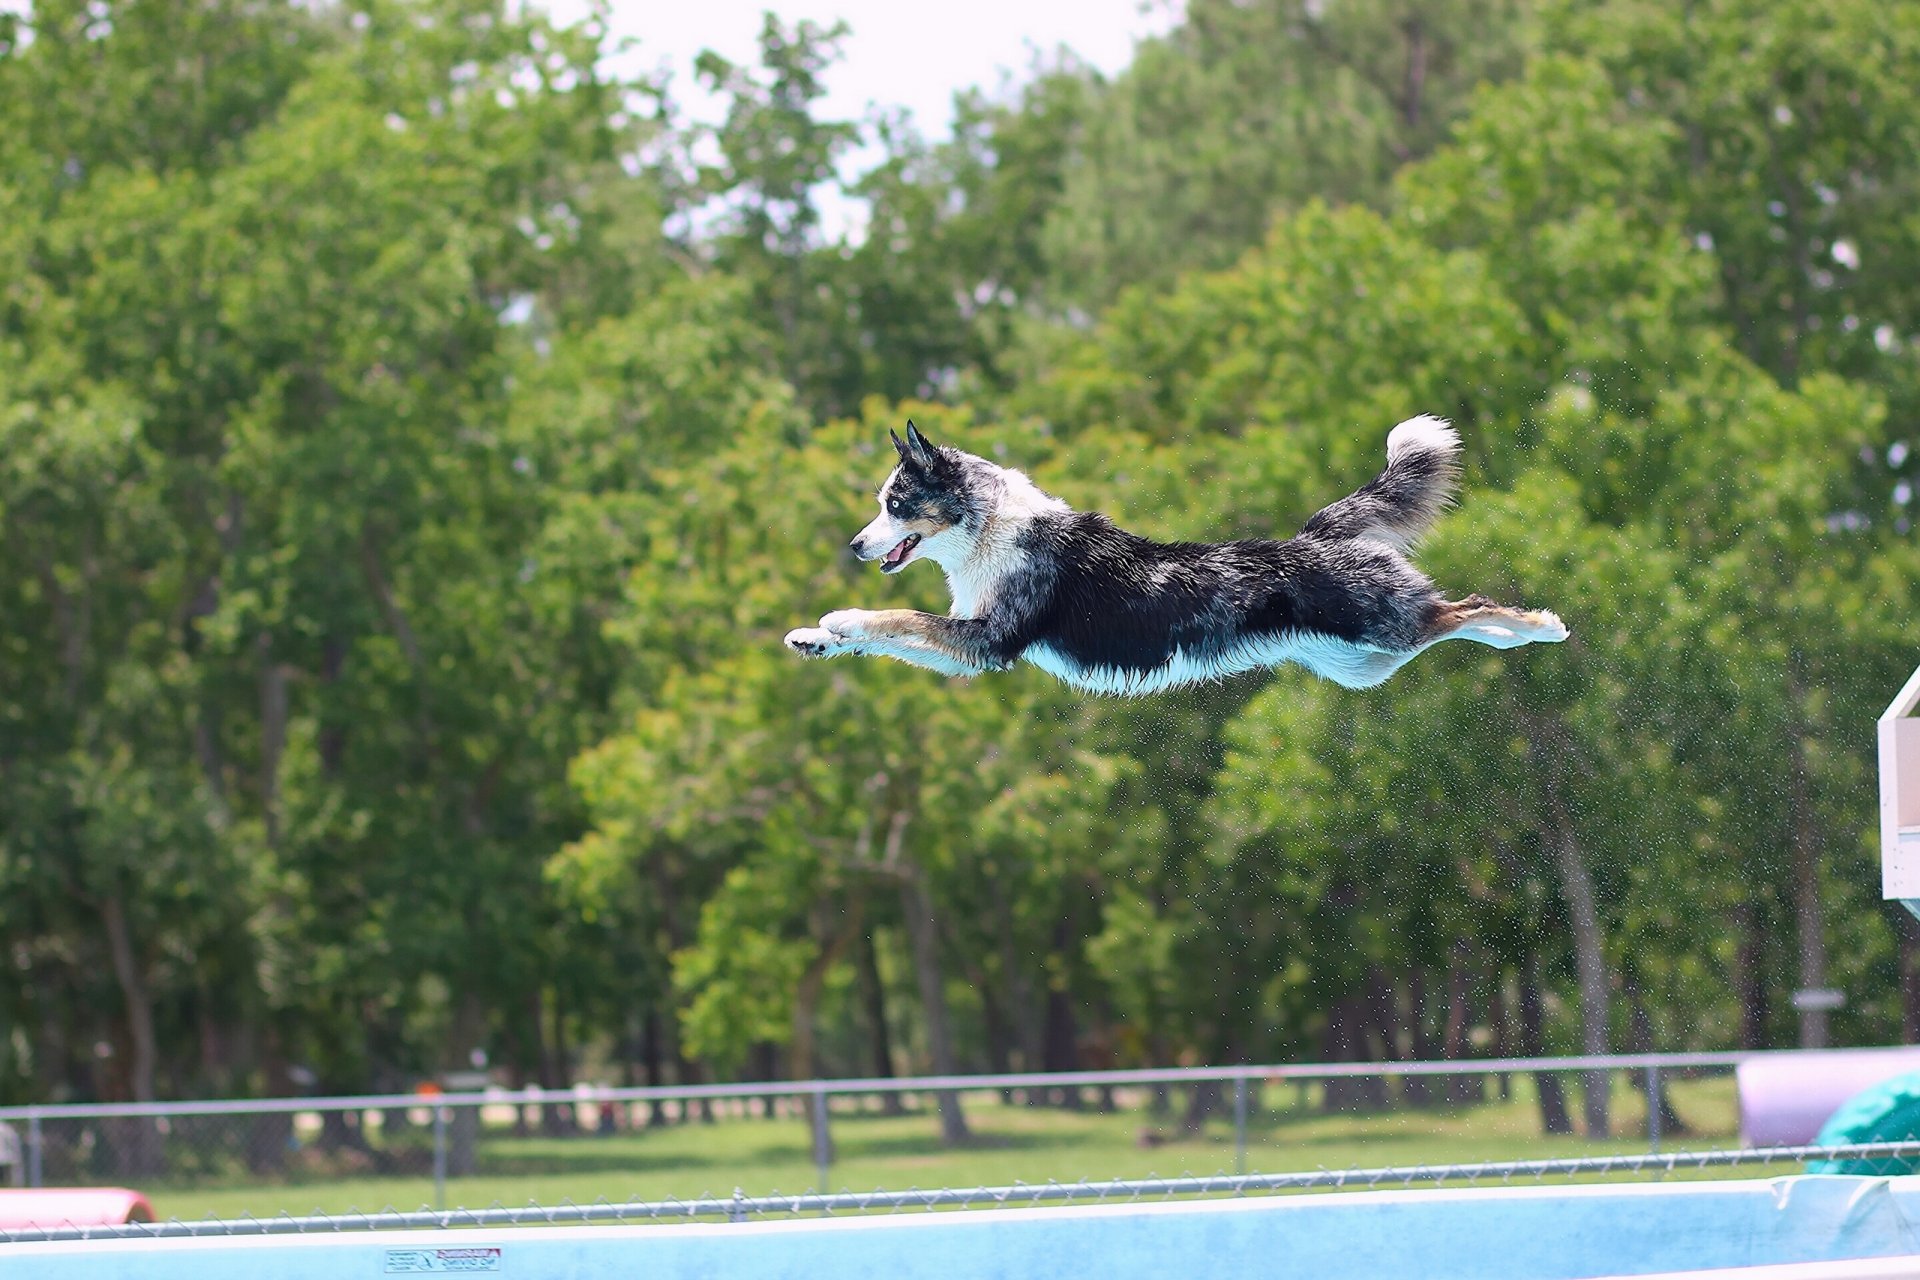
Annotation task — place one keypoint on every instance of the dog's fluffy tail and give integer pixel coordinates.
(1402, 502)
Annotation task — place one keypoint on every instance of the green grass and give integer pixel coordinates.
(1010, 1144)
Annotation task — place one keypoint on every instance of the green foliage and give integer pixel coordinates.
(1249, 107)
(414, 443)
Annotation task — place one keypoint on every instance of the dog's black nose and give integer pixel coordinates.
(854, 546)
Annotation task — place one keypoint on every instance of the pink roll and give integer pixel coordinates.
(72, 1207)
(1786, 1097)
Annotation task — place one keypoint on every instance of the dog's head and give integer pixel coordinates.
(924, 506)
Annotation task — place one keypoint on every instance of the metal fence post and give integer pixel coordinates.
(822, 1139)
(1653, 1108)
(439, 1155)
(1239, 1124)
(34, 1148)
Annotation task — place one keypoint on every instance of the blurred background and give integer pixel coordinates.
(421, 419)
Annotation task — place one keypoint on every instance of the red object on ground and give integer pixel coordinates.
(72, 1207)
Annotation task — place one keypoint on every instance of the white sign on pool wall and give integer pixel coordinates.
(466, 1260)
(1486, 1233)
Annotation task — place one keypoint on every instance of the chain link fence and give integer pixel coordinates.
(464, 1146)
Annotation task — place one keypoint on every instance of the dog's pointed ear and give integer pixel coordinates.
(921, 447)
(899, 445)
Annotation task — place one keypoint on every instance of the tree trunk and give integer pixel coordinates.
(922, 938)
(468, 1033)
(73, 618)
(1809, 923)
(806, 1006)
(1402, 1008)
(341, 1131)
(536, 1047)
(1203, 1099)
(689, 1071)
(332, 738)
(1548, 748)
(1024, 1014)
(206, 749)
(1641, 1022)
(140, 1153)
(1546, 1084)
(213, 1043)
(1383, 1019)
(133, 992)
(1749, 977)
(1453, 1032)
(513, 1035)
(1589, 956)
(1160, 1096)
(273, 735)
(1344, 1040)
(1454, 1044)
(628, 1050)
(1414, 84)
(653, 1061)
(666, 894)
(873, 998)
(565, 1118)
(994, 1026)
(206, 720)
(1423, 1091)
(763, 1064)
(1499, 1013)
(270, 1133)
(1060, 1048)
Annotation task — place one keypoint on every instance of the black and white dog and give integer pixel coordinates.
(1111, 612)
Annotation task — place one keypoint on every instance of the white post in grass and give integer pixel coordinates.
(1900, 797)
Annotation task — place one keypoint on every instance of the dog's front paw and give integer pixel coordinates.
(812, 642)
(849, 624)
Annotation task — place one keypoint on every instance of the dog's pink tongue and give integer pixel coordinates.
(899, 553)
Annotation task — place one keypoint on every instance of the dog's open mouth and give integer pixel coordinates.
(898, 556)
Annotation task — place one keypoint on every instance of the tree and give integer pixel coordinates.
(257, 343)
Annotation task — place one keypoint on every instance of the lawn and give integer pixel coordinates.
(1011, 1143)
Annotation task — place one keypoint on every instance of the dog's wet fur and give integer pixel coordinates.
(1111, 612)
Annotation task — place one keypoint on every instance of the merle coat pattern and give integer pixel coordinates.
(1112, 612)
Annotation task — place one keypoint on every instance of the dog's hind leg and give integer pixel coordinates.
(1364, 670)
(1481, 620)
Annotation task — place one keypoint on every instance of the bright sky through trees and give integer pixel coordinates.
(900, 54)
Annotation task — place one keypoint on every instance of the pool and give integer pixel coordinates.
(1487, 1233)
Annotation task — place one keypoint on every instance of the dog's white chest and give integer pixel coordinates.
(975, 583)
(970, 593)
